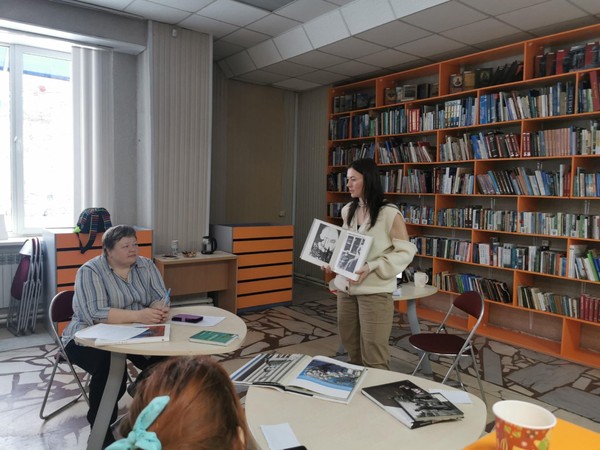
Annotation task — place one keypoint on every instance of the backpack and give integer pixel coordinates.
(92, 221)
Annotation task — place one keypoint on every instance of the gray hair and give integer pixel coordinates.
(114, 235)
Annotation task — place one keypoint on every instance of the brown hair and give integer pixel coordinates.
(204, 411)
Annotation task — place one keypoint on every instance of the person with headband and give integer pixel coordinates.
(187, 402)
(118, 286)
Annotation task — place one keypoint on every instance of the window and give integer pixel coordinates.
(36, 139)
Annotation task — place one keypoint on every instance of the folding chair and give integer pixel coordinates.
(61, 311)
(444, 344)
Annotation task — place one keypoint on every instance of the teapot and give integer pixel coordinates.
(209, 245)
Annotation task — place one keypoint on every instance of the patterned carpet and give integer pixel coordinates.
(570, 390)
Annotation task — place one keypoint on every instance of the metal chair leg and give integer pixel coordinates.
(478, 377)
(419, 363)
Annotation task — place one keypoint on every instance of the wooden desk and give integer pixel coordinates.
(409, 293)
(178, 345)
(565, 436)
(203, 273)
(321, 424)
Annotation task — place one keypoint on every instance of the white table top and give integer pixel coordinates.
(179, 343)
(321, 424)
(408, 291)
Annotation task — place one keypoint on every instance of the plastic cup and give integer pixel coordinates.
(522, 425)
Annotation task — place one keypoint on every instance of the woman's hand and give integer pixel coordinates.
(153, 315)
(362, 274)
(327, 269)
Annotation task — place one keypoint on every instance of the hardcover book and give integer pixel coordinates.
(213, 337)
(318, 376)
(343, 250)
(412, 405)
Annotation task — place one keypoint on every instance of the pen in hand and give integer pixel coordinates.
(167, 298)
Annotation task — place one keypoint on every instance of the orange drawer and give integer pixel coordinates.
(69, 240)
(262, 245)
(66, 276)
(251, 287)
(268, 298)
(254, 273)
(263, 232)
(262, 259)
(66, 258)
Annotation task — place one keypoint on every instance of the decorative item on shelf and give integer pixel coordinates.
(468, 80)
(390, 96)
(456, 82)
(189, 253)
(483, 76)
(409, 92)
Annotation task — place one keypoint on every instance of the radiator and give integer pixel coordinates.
(8, 267)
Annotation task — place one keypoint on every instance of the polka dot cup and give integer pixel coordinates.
(522, 426)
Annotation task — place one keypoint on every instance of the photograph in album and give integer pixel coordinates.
(343, 250)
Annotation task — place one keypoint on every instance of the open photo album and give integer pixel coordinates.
(318, 376)
(343, 250)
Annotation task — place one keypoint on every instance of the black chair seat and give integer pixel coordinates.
(440, 344)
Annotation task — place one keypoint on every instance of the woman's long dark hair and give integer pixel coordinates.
(373, 192)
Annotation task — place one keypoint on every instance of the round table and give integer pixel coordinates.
(361, 424)
(177, 345)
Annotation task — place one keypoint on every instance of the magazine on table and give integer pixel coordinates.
(318, 376)
(411, 404)
(343, 250)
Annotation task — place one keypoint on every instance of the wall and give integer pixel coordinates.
(253, 153)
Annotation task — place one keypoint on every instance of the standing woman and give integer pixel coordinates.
(365, 307)
(118, 286)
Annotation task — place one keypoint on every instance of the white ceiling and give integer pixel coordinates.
(309, 43)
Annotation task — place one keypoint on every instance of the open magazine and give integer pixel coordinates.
(110, 334)
(343, 250)
(318, 376)
(411, 404)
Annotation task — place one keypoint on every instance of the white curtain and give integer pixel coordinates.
(93, 128)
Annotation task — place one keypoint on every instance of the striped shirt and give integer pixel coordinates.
(98, 289)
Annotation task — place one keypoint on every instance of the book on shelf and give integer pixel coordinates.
(343, 250)
(319, 376)
(111, 334)
(411, 404)
(213, 337)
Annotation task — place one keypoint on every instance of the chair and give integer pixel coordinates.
(26, 290)
(59, 312)
(444, 344)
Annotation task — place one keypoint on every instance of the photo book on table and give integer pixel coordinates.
(318, 376)
(411, 404)
(343, 250)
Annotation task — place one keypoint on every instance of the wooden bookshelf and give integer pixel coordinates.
(499, 182)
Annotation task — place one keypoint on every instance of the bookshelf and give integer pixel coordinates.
(494, 159)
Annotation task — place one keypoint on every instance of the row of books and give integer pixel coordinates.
(478, 218)
(417, 214)
(453, 180)
(563, 60)
(393, 152)
(343, 155)
(589, 93)
(486, 76)
(334, 209)
(547, 101)
(532, 258)
(363, 125)
(589, 308)
(586, 184)
(566, 141)
(352, 101)
(524, 181)
(584, 264)
(489, 145)
(443, 247)
(339, 128)
(491, 289)
(337, 182)
(534, 298)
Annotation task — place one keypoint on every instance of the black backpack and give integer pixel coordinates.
(92, 221)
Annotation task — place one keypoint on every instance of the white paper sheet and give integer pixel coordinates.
(110, 332)
(207, 321)
(280, 436)
(455, 397)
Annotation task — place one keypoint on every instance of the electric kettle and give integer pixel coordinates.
(209, 245)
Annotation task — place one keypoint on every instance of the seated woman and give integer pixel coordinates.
(118, 286)
(187, 402)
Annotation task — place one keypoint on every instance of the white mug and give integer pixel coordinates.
(421, 279)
